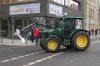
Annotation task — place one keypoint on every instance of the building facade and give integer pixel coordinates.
(24, 12)
(91, 14)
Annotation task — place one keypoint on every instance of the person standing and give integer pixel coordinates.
(36, 35)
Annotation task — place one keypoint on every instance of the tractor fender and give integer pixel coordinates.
(56, 38)
(74, 32)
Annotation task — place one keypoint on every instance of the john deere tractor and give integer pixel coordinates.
(67, 31)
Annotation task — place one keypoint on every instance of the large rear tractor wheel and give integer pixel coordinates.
(52, 44)
(80, 41)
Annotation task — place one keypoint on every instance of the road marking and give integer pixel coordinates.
(15, 58)
(93, 55)
(43, 59)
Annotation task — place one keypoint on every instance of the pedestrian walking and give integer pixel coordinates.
(96, 32)
(32, 35)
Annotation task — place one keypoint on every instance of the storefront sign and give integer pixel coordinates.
(57, 10)
(25, 9)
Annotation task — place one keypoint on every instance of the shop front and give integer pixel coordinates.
(23, 14)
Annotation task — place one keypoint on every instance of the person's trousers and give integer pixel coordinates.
(36, 39)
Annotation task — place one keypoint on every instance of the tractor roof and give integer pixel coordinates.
(73, 17)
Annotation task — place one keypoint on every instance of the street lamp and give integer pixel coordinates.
(65, 8)
(1, 32)
(89, 16)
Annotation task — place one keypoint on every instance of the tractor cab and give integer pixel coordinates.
(71, 23)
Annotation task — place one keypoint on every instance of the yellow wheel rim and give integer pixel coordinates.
(81, 41)
(52, 45)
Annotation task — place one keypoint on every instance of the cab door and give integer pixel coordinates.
(69, 27)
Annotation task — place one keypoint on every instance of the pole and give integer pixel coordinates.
(1, 33)
(64, 7)
(89, 16)
(12, 30)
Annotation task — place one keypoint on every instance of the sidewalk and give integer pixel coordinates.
(17, 42)
(95, 37)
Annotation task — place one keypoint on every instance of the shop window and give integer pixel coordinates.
(40, 19)
(4, 28)
(51, 22)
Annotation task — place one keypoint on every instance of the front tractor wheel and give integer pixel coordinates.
(80, 41)
(52, 44)
(42, 44)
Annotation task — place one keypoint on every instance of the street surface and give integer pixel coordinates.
(35, 56)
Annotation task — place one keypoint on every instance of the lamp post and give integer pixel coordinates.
(89, 16)
(1, 33)
(64, 8)
(12, 20)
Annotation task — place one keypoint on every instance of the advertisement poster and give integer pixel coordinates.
(25, 9)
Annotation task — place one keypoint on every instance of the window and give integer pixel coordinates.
(75, 5)
(61, 1)
(5, 1)
(92, 13)
(1, 1)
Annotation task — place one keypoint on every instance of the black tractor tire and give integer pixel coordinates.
(52, 45)
(80, 41)
(42, 45)
(68, 46)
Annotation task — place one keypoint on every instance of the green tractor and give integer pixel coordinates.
(67, 31)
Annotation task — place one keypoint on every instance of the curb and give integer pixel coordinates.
(16, 44)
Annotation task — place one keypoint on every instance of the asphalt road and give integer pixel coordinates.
(35, 56)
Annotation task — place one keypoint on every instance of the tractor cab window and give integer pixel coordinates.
(78, 24)
(60, 23)
(69, 24)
